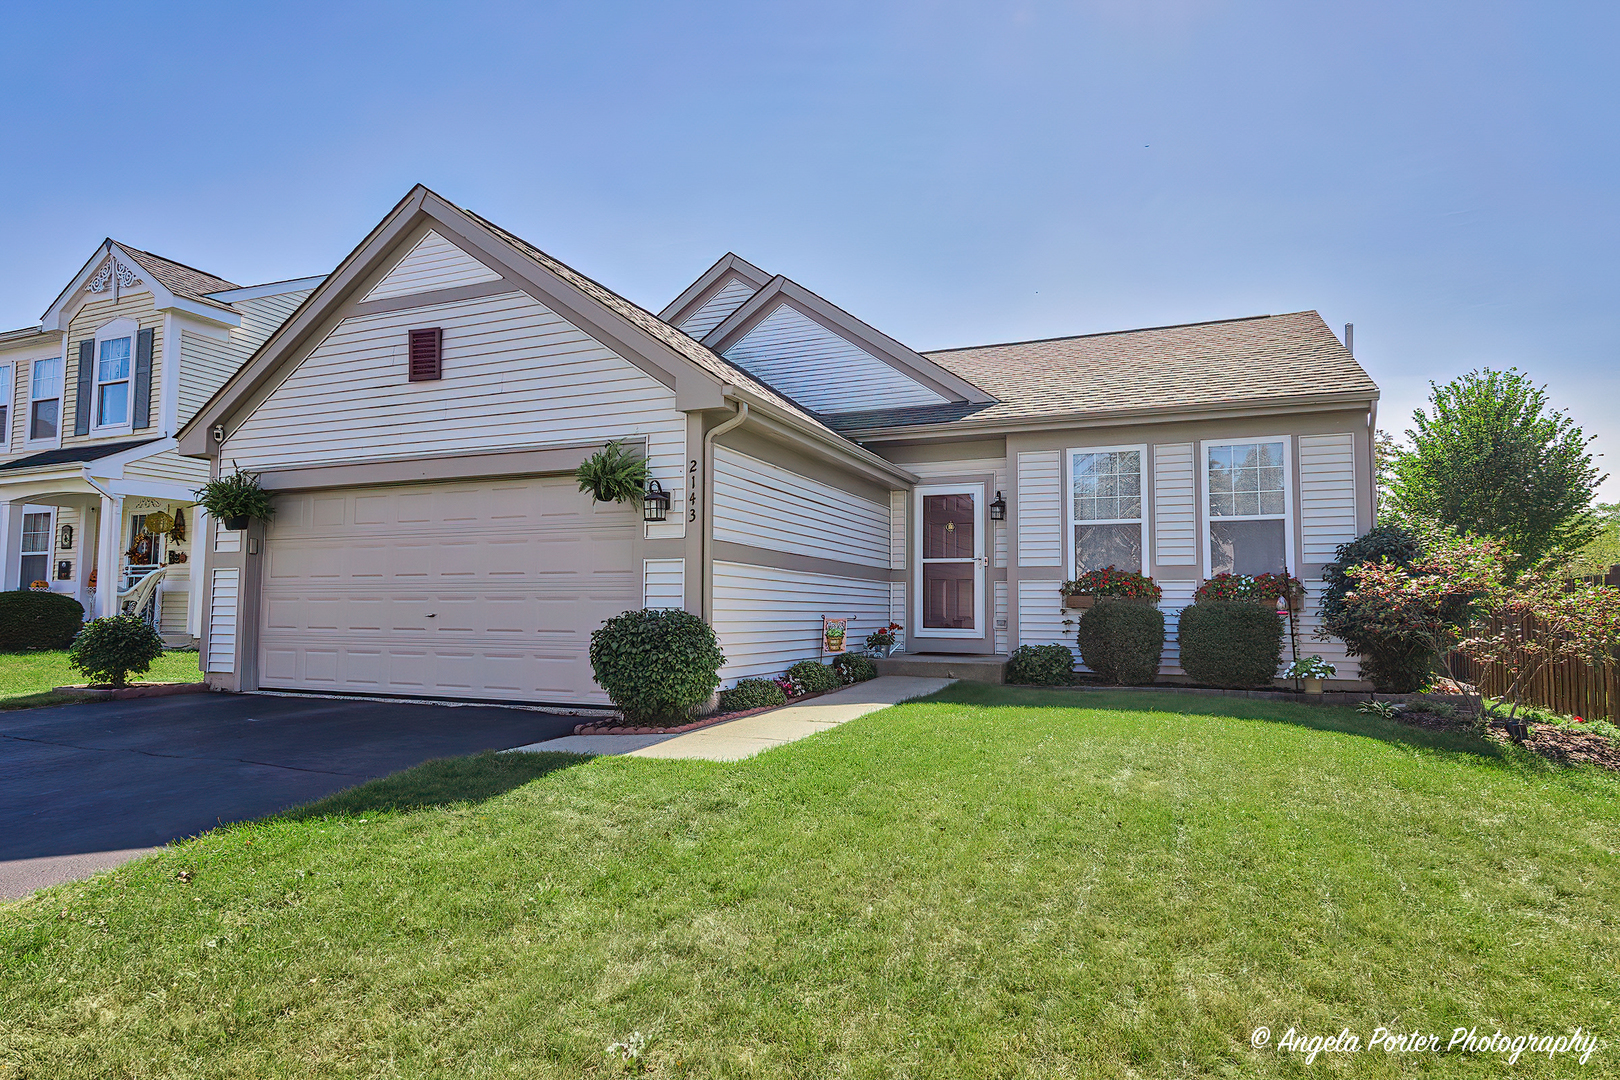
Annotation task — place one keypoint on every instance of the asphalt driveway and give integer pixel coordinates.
(86, 786)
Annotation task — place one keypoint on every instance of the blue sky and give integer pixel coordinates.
(1442, 175)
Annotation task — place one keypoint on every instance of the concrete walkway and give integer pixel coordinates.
(745, 737)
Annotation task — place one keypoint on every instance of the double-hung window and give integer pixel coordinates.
(1107, 518)
(1247, 485)
(6, 387)
(112, 382)
(45, 399)
(36, 548)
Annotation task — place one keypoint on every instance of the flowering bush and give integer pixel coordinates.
(1311, 667)
(790, 687)
(1261, 587)
(884, 638)
(1114, 582)
(814, 676)
(1399, 619)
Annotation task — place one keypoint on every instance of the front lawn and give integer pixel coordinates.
(26, 678)
(994, 882)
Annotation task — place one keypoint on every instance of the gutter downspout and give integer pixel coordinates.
(707, 525)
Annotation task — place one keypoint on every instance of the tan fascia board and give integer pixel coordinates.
(820, 443)
(709, 282)
(296, 330)
(907, 361)
(1119, 418)
(695, 387)
(54, 310)
(322, 310)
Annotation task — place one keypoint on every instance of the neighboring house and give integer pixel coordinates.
(90, 401)
(421, 415)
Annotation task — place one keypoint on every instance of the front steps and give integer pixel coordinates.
(985, 668)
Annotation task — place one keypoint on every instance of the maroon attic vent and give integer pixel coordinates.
(427, 354)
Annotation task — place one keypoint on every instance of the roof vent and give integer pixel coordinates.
(427, 354)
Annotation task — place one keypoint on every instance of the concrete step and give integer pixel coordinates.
(980, 668)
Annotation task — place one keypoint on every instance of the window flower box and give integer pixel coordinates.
(1110, 584)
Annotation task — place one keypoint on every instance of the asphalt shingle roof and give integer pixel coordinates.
(69, 455)
(1227, 363)
(180, 279)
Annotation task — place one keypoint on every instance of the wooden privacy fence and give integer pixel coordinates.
(1570, 688)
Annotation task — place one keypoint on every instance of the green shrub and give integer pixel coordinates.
(854, 668)
(752, 694)
(111, 649)
(656, 663)
(815, 676)
(1122, 640)
(38, 620)
(1041, 665)
(1231, 643)
(1394, 661)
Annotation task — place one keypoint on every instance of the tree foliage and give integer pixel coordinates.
(1489, 458)
(1603, 550)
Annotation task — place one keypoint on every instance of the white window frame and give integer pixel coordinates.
(1206, 518)
(112, 331)
(61, 403)
(50, 546)
(8, 391)
(1070, 567)
(981, 559)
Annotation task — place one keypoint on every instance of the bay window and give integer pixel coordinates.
(1107, 518)
(45, 399)
(1247, 488)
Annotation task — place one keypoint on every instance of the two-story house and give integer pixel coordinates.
(90, 402)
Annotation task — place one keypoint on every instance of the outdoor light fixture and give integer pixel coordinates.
(654, 504)
(64, 538)
(998, 509)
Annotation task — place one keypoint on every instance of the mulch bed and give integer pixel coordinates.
(1563, 745)
(600, 728)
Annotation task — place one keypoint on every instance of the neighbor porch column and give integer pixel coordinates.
(89, 525)
(108, 550)
(11, 515)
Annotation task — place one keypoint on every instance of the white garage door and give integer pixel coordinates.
(480, 589)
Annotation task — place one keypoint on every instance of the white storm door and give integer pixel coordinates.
(951, 561)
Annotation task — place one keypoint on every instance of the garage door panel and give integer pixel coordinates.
(515, 575)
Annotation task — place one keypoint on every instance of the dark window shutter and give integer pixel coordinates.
(141, 412)
(87, 385)
(427, 354)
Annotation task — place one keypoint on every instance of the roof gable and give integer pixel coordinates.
(718, 291)
(117, 267)
(785, 331)
(434, 263)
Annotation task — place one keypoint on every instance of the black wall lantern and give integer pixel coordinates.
(998, 508)
(655, 504)
(64, 538)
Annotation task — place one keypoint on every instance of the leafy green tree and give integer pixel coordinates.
(1490, 458)
(1604, 549)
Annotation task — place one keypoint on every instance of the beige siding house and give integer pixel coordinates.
(429, 539)
(91, 400)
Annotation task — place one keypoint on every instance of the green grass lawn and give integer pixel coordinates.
(26, 678)
(994, 882)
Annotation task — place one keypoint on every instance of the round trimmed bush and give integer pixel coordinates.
(854, 668)
(111, 649)
(38, 620)
(752, 694)
(815, 676)
(1122, 640)
(1041, 665)
(1231, 643)
(656, 663)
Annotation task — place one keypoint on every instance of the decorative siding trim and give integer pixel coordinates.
(766, 506)
(226, 539)
(663, 583)
(897, 529)
(999, 626)
(1040, 613)
(1327, 494)
(897, 611)
(1040, 510)
(1175, 510)
(821, 370)
(768, 619)
(222, 611)
(434, 263)
(718, 308)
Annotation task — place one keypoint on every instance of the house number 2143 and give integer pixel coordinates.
(691, 488)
